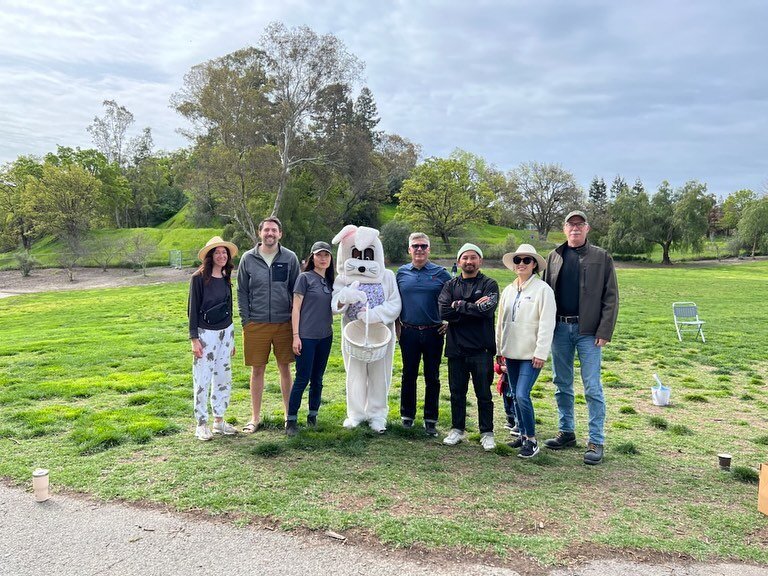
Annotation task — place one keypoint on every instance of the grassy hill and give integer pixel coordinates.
(178, 233)
(163, 240)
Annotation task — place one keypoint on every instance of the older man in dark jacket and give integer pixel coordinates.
(587, 297)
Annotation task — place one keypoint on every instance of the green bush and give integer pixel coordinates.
(394, 239)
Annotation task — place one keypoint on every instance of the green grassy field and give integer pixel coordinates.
(96, 386)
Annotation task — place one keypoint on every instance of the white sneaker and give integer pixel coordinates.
(224, 428)
(454, 437)
(202, 432)
(488, 441)
(378, 426)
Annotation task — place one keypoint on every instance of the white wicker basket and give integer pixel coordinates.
(366, 342)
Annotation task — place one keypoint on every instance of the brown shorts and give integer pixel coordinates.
(260, 337)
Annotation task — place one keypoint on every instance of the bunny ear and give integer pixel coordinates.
(347, 231)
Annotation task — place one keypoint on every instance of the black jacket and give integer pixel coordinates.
(470, 325)
(598, 288)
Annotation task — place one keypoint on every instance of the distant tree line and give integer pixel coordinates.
(278, 128)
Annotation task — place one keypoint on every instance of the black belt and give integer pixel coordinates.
(568, 319)
(423, 327)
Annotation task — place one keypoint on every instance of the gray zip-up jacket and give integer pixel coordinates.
(265, 293)
(598, 288)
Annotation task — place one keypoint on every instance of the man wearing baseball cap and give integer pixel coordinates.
(587, 299)
(468, 302)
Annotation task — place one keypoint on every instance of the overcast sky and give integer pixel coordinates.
(673, 90)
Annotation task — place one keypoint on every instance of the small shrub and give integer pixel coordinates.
(695, 398)
(627, 410)
(626, 448)
(658, 422)
(745, 474)
(268, 449)
(747, 397)
(26, 262)
(761, 440)
(680, 430)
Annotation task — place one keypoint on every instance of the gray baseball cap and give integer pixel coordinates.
(321, 246)
(573, 213)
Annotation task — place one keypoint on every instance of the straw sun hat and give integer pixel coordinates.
(215, 242)
(524, 250)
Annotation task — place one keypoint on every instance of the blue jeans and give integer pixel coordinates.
(565, 344)
(310, 368)
(522, 376)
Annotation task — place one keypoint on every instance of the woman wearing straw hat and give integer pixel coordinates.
(524, 334)
(312, 321)
(212, 334)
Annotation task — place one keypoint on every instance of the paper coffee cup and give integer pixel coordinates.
(40, 484)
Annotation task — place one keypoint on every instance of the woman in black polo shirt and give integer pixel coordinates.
(212, 335)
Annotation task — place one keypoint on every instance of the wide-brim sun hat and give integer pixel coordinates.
(524, 250)
(215, 242)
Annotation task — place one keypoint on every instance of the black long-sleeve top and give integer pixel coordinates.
(203, 297)
(470, 325)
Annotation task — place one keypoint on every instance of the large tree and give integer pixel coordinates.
(733, 208)
(753, 225)
(301, 66)
(444, 196)
(399, 157)
(64, 203)
(16, 219)
(671, 218)
(116, 190)
(110, 135)
(598, 210)
(235, 164)
(546, 192)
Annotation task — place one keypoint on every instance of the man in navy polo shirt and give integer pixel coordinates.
(421, 331)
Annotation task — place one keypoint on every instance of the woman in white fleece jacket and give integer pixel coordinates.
(524, 333)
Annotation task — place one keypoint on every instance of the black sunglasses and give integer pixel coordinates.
(525, 260)
(419, 246)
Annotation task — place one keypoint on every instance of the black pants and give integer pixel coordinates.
(480, 367)
(414, 344)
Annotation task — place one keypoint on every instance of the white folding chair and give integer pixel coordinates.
(686, 316)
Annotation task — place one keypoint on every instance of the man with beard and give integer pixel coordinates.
(468, 302)
(265, 280)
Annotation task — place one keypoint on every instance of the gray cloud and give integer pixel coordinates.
(658, 91)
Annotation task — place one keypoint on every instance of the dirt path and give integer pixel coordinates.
(49, 279)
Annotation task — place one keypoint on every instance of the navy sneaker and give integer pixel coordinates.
(430, 428)
(516, 443)
(529, 450)
(407, 422)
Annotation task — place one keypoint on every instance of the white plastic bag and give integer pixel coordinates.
(660, 394)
